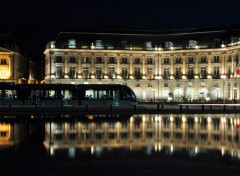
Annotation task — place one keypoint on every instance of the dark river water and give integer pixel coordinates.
(205, 144)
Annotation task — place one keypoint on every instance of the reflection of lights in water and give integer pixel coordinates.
(98, 151)
(71, 152)
(52, 151)
(149, 150)
(196, 150)
(171, 148)
(92, 149)
(158, 147)
(222, 151)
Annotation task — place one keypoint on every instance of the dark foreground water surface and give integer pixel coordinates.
(130, 145)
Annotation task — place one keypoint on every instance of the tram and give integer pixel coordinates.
(80, 94)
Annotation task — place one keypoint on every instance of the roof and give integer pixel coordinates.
(180, 37)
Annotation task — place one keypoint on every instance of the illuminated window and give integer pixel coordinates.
(150, 72)
(85, 72)
(98, 44)
(98, 72)
(71, 43)
(111, 72)
(72, 72)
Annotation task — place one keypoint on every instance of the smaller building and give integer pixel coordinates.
(13, 64)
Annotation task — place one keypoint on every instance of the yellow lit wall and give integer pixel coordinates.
(4, 66)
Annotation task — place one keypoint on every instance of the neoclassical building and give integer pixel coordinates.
(13, 65)
(177, 65)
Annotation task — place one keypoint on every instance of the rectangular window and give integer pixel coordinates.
(190, 73)
(178, 72)
(216, 59)
(165, 60)
(3, 61)
(203, 59)
(124, 60)
(99, 60)
(203, 72)
(137, 61)
(124, 72)
(98, 72)
(149, 72)
(58, 59)
(85, 72)
(59, 72)
(111, 60)
(149, 61)
(72, 59)
(190, 59)
(72, 72)
(216, 72)
(178, 60)
(137, 72)
(166, 74)
(111, 72)
(85, 60)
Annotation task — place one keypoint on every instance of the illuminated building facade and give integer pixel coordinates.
(13, 65)
(196, 132)
(179, 65)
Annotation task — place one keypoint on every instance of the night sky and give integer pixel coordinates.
(35, 23)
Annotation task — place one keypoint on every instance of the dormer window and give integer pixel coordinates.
(123, 45)
(192, 43)
(71, 43)
(98, 44)
(169, 45)
(148, 45)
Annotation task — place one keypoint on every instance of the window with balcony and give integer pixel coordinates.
(98, 72)
(178, 72)
(190, 73)
(111, 72)
(124, 72)
(59, 72)
(149, 72)
(216, 72)
(166, 73)
(137, 72)
(85, 72)
(203, 72)
(72, 72)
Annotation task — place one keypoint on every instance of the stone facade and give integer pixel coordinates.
(176, 70)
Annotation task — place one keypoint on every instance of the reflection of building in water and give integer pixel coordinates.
(215, 131)
(12, 133)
